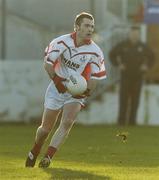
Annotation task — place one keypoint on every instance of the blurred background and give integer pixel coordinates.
(26, 28)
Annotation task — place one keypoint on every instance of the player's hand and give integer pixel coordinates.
(58, 83)
(84, 95)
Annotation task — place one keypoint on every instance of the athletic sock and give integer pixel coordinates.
(51, 151)
(36, 149)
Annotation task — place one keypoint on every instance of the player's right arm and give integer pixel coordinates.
(49, 68)
(52, 55)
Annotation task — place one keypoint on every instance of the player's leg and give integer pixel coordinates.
(48, 121)
(70, 112)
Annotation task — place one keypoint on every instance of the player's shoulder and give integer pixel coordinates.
(64, 38)
(96, 48)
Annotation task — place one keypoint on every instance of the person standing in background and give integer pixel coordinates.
(133, 58)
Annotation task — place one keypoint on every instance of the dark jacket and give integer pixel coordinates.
(132, 56)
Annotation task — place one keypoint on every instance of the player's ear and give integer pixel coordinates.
(76, 27)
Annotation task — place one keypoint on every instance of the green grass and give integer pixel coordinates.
(90, 152)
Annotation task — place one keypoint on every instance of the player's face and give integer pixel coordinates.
(86, 28)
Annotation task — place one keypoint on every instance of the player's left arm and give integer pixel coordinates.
(97, 73)
(91, 85)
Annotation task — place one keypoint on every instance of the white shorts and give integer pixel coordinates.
(55, 100)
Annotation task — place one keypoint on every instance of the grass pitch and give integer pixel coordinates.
(90, 152)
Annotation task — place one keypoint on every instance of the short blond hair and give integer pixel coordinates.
(81, 16)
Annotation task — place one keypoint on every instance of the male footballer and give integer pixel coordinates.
(67, 54)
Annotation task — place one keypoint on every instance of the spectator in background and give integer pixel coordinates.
(134, 59)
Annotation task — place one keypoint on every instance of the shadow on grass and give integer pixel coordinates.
(62, 173)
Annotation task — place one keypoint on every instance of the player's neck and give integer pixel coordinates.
(79, 41)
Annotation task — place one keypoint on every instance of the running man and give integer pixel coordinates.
(65, 55)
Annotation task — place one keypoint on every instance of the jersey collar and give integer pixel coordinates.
(86, 41)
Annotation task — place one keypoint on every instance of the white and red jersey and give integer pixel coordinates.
(66, 57)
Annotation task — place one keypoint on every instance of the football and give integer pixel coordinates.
(76, 84)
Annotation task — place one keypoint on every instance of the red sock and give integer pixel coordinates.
(51, 151)
(36, 149)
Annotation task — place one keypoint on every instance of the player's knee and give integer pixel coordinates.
(44, 130)
(46, 126)
(68, 123)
